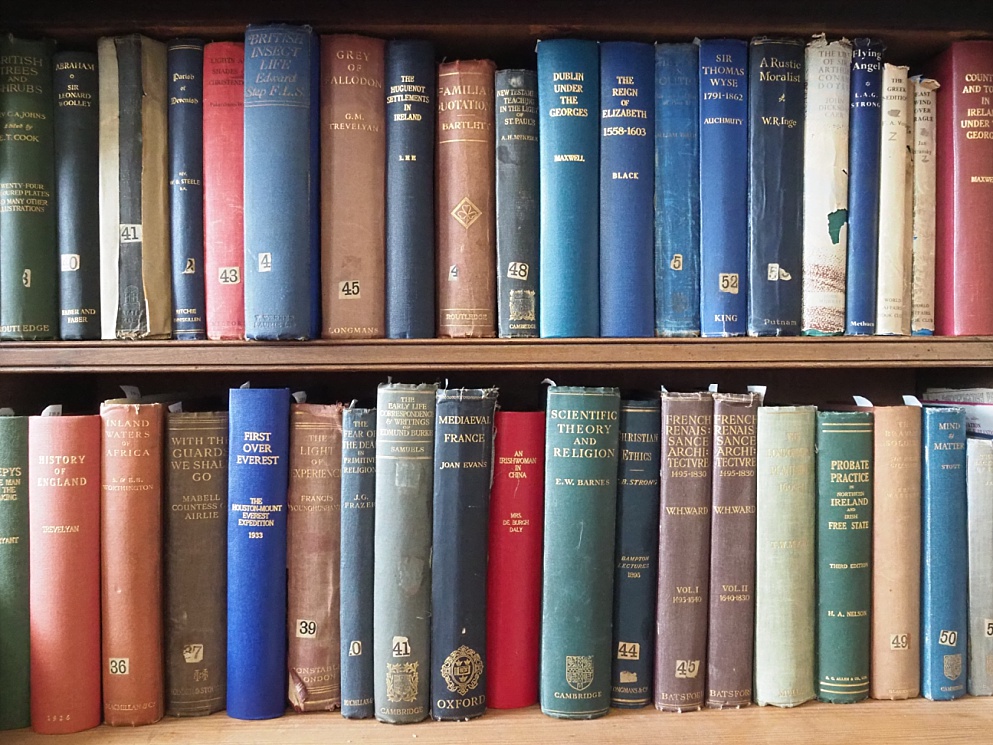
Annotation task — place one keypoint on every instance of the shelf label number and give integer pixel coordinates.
(69, 262)
(628, 651)
(401, 646)
(518, 270)
(676, 264)
(191, 266)
(728, 283)
(900, 641)
(989, 628)
(948, 638)
(26, 278)
(306, 629)
(349, 290)
(355, 649)
(265, 262)
(687, 668)
(119, 665)
(229, 275)
(131, 232)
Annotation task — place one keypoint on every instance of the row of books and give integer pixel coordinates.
(297, 186)
(689, 549)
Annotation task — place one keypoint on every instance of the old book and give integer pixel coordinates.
(923, 187)
(979, 485)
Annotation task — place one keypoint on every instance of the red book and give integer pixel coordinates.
(513, 600)
(223, 188)
(64, 494)
(964, 190)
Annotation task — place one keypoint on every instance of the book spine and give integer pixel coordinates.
(224, 188)
(463, 470)
(979, 484)
(569, 163)
(825, 185)
(865, 121)
(627, 182)
(775, 186)
(131, 563)
(513, 583)
(185, 86)
(944, 555)
(313, 557)
(411, 87)
(577, 580)
(258, 444)
(15, 704)
(402, 587)
(786, 500)
(282, 251)
(195, 561)
(684, 548)
(922, 291)
(517, 202)
(732, 552)
(77, 162)
(677, 189)
(724, 182)
(844, 554)
(64, 491)
(353, 182)
(466, 200)
(636, 554)
(29, 304)
(358, 518)
(108, 106)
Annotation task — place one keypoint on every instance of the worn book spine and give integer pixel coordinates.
(131, 563)
(358, 518)
(516, 107)
(513, 581)
(569, 163)
(29, 300)
(581, 456)
(923, 187)
(463, 472)
(627, 189)
(825, 185)
(684, 551)
(979, 484)
(77, 163)
(224, 188)
(844, 554)
(353, 179)
(402, 587)
(732, 552)
(465, 200)
(109, 131)
(313, 557)
(64, 491)
(636, 554)
(677, 189)
(786, 501)
(195, 562)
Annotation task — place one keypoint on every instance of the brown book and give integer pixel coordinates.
(195, 563)
(313, 557)
(131, 562)
(896, 553)
(466, 200)
(353, 187)
(684, 551)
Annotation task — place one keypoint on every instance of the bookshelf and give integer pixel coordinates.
(802, 370)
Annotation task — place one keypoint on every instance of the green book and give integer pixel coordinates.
(581, 447)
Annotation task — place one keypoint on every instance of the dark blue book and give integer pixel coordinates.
(627, 189)
(185, 67)
(568, 116)
(282, 251)
(258, 456)
(775, 185)
(411, 83)
(944, 555)
(358, 522)
(864, 128)
(677, 189)
(636, 554)
(463, 470)
(723, 187)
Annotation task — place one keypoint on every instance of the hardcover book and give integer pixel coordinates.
(979, 484)
(923, 188)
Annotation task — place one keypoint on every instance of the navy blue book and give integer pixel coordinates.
(358, 522)
(775, 185)
(636, 554)
(944, 555)
(864, 130)
(411, 83)
(627, 189)
(677, 189)
(257, 481)
(282, 250)
(568, 117)
(463, 470)
(723, 187)
(185, 66)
